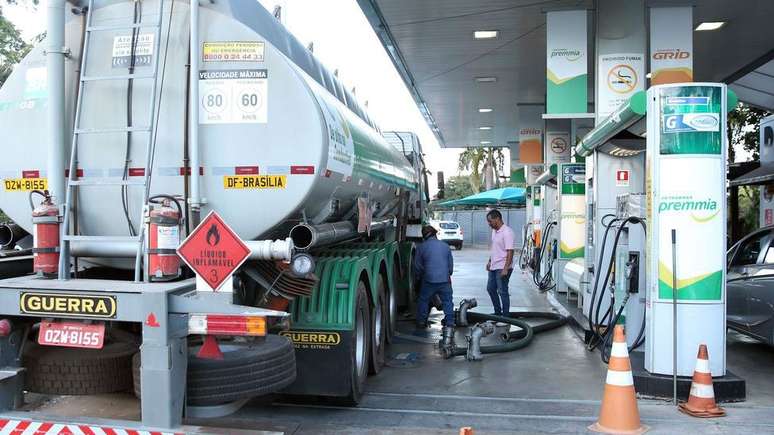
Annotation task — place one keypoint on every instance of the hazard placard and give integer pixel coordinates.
(622, 178)
(213, 251)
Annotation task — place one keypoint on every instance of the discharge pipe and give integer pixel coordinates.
(11, 233)
(55, 72)
(306, 236)
(259, 249)
(195, 201)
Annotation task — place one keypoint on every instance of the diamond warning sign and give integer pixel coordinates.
(213, 251)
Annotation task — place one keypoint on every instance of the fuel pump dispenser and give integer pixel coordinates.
(656, 234)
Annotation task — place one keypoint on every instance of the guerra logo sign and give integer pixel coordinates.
(622, 79)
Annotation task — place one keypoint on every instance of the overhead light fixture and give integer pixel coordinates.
(484, 110)
(486, 79)
(485, 142)
(710, 25)
(485, 127)
(486, 34)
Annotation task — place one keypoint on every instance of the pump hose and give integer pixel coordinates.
(544, 283)
(524, 244)
(603, 338)
(518, 339)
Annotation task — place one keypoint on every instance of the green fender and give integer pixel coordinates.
(375, 257)
(331, 306)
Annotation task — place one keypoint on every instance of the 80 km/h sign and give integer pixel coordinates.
(213, 251)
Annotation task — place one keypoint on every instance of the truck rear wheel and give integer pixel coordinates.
(379, 325)
(246, 370)
(360, 349)
(75, 371)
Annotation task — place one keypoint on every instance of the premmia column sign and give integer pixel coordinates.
(686, 175)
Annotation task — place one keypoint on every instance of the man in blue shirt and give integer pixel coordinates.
(433, 267)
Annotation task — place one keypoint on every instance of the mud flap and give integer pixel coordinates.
(324, 362)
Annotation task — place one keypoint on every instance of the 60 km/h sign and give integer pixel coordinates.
(213, 251)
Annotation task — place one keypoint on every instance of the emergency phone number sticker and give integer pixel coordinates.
(25, 184)
(233, 51)
(255, 182)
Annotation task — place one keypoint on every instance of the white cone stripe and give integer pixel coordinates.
(9, 427)
(120, 431)
(619, 350)
(702, 391)
(620, 379)
(32, 428)
(702, 366)
(97, 430)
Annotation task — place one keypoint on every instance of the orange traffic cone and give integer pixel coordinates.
(466, 430)
(701, 401)
(619, 413)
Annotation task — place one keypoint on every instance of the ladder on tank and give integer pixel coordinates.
(148, 130)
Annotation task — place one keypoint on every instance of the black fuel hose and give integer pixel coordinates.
(545, 282)
(517, 339)
(604, 337)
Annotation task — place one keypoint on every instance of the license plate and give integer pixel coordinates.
(25, 184)
(451, 233)
(72, 334)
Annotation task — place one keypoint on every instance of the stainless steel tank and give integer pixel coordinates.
(280, 139)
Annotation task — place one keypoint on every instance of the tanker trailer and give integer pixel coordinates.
(257, 130)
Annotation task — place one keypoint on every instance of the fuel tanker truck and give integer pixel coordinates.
(136, 122)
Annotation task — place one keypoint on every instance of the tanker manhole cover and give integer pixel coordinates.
(404, 360)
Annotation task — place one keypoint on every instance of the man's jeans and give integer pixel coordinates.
(497, 287)
(444, 289)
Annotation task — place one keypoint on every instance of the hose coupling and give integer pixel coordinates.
(447, 342)
(477, 332)
(462, 312)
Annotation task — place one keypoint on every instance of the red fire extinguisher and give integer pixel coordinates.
(163, 240)
(45, 247)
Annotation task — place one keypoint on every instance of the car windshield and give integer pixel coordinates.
(449, 226)
(749, 250)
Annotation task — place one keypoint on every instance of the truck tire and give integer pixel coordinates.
(379, 325)
(246, 370)
(75, 371)
(360, 348)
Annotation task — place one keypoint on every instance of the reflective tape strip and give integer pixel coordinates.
(702, 366)
(59, 428)
(620, 379)
(222, 170)
(21, 427)
(32, 173)
(278, 170)
(30, 427)
(9, 427)
(702, 391)
(619, 350)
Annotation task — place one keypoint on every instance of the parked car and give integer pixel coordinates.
(450, 232)
(750, 285)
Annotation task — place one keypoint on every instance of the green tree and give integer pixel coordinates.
(744, 130)
(744, 133)
(12, 48)
(458, 187)
(485, 166)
